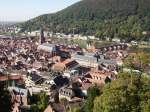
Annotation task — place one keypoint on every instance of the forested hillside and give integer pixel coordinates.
(100, 17)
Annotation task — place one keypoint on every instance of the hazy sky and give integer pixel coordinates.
(21, 10)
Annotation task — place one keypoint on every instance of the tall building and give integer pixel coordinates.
(42, 38)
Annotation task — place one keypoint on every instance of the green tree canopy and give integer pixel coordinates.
(39, 102)
(129, 93)
(5, 99)
(93, 92)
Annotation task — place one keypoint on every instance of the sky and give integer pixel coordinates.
(22, 10)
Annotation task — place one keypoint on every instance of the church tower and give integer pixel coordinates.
(42, 38)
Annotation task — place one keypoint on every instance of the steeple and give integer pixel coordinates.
(42, 38)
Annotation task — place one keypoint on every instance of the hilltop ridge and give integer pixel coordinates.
(103, 17)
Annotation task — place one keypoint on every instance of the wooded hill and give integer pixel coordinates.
(100, 17)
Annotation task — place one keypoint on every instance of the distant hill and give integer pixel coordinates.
(7, 22)
(100, 17)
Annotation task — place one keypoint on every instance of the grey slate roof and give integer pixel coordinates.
(93, 59)
(47, 47)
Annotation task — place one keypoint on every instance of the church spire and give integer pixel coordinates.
(42, 38)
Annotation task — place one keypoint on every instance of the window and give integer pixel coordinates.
(99, 78)
(66, 93)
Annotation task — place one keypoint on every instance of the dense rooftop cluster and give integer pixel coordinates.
(60, 71)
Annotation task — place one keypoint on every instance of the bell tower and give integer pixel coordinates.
(42, 37)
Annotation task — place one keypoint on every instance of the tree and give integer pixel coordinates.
(143, 59)
(5, 99)
(39, 102)
(136, 31)
(145, 95)
(28, 97)
(43, 103)
(34, 108)
(75, 110)
(129, 63)
(92, 93)
(129, 93)
(107, 80)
